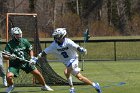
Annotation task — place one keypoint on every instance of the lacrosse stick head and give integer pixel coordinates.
(16, 34)
(59, 34)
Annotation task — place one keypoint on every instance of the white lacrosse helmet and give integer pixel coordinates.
(59, 33)
(16, 31)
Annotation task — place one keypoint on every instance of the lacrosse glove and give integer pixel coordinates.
(33, 60)
(39, 55)
(13, 56)
(82, 50)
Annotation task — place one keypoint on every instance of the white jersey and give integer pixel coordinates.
(66, 52)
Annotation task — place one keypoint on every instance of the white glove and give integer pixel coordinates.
(83, 50)
(13, 57)
(39, 55)
(33, 60)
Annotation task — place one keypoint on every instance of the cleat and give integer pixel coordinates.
(46, 88)
(4, 81)
(98, 88)
(72, 90)
(9, 89)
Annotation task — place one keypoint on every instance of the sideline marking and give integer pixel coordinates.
(117, 84)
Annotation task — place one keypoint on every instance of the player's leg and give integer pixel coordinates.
(67, 73)
(78, 75)
(40, 78)
(89, 82)
(2, 74)
(10, 75)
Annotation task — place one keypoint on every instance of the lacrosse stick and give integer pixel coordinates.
(86, 37)
(83, 59)
(8, 54)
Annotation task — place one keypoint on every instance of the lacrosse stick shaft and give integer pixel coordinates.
(83, 60)
(8, 54)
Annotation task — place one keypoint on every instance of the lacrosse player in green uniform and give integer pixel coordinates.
(20, 47)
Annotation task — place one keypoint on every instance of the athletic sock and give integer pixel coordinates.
(70, 81)
(93, 84)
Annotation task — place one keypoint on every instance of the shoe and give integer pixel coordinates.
(98, 88)
(46, 88)
(9, 89)
(72, 90)
(4, 81)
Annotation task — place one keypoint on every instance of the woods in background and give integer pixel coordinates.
(101, 17)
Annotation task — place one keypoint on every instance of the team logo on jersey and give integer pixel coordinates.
(20, 49)
(63, 49)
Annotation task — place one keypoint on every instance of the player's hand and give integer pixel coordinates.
(13, 57)
(33, 60)
(83, 50)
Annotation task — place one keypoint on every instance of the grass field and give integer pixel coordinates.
(114, 77)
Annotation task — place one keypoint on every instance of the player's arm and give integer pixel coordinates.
(76, 46)
(31, 53)
(6, 57)
(7, 51)
(46, 51)
(33, 59)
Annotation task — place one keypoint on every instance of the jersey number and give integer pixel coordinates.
(64, 54)
(21, 53)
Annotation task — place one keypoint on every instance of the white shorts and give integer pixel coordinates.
(73, 64)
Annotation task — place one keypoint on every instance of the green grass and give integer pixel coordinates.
(107, 73)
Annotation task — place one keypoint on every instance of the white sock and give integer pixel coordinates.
(93, 84)
(70, 81)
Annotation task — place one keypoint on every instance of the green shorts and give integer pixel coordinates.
(26, 67)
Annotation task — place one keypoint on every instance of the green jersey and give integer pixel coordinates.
(21, 50)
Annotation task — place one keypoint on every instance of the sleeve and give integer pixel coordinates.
(49, 49)
(28, 45)
(7, 48)
(73, 44)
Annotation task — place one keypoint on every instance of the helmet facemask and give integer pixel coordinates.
(59, 38)
(17, 37)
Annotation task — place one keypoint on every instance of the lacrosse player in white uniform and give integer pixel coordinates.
(2, 72)
(66, 51)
